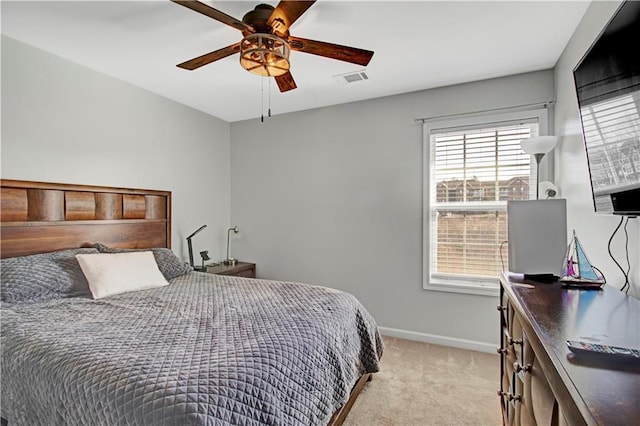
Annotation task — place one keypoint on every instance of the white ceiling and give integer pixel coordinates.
(418, 45)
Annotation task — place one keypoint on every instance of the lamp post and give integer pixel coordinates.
(538, 147)
(229, 260)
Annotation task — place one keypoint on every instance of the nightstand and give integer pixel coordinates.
(240, 269)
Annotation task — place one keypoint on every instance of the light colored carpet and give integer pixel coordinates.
(423, 384)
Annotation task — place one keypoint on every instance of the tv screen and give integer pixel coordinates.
(607, 81)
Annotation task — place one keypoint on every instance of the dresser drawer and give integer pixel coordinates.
(247, 273)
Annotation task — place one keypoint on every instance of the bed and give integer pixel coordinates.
(201, 349)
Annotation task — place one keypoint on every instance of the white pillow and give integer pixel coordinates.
(115, 273)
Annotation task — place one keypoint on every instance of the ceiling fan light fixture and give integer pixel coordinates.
(263, 54)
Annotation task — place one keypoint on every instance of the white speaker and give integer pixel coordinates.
(537, 234)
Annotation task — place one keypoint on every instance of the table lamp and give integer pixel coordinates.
(191, 248)
(229, 260)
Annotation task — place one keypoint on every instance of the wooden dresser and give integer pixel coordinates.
(542, 382)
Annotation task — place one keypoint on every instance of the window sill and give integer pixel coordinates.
(487, 288)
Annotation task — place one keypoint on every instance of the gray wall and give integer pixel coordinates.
(333, 197)
(593, 230)
(62, 122)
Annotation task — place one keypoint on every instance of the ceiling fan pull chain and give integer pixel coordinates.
(262, 100)
(269, 111)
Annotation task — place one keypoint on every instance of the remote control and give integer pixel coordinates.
(586, 348)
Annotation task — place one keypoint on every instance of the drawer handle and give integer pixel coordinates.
(510, 340)
(502, 350)
(502, 308)
(514, 398)
(510, 397)
(515, 341)
(518, 368)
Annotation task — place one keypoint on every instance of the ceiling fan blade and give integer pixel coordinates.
(207, 58)
(286, 13)
(329, 50)
(285, 82)
(215, 14)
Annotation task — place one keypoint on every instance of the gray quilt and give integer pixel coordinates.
(205, 350)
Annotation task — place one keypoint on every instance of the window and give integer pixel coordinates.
(472, 168)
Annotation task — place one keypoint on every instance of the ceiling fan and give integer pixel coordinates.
(266, 43)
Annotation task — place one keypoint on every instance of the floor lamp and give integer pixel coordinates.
(538, 147)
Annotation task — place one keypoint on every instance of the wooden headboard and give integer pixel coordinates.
(38, 217)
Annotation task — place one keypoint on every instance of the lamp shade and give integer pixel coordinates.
(538, 145)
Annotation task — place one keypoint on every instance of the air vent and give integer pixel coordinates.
(351, 77)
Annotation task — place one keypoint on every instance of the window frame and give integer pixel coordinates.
(465, 284)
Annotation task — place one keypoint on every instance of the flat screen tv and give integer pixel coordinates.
(607, 81)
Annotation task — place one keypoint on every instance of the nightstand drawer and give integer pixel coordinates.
(248, 273)
(241, 269)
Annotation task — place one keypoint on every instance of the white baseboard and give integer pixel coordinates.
(439, 340)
